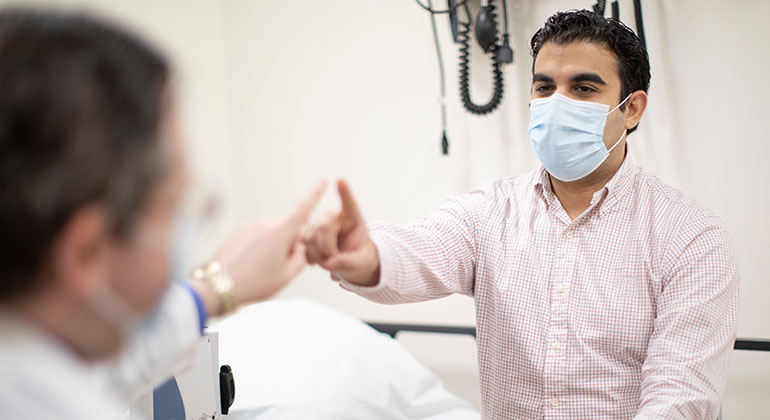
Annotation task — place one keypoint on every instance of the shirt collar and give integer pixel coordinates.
(609, 195)
(543, 186)
(619, 186)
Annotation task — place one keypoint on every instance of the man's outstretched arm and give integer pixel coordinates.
(428, 259)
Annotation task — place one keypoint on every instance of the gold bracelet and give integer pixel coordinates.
(220, 281)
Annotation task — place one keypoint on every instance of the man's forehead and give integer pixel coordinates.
(565, 60)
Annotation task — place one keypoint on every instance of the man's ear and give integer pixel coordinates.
(635, 107)
(80, 253)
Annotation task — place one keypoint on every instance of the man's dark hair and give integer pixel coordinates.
(585, 25)
(81, 106)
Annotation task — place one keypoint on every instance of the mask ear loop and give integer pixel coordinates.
(617, 142)
(621, 103)
(624, 131)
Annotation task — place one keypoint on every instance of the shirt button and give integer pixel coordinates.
(554, 402)
(560, 288)
(556, 345)
(569, 234)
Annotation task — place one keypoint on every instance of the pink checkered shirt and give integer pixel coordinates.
(628, 311)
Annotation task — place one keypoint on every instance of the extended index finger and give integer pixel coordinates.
(349, 205)
(301, 215)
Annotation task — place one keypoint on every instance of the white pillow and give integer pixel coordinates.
(297, 359)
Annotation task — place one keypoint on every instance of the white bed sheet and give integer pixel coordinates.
(298, 359)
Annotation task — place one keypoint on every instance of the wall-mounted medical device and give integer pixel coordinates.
(601, 5)
(484, 28)
(486, 33)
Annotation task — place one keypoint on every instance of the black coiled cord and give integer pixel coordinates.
(463, 39)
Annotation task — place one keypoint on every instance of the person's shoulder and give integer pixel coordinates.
(686, 229)
(493, 197)
(505, 188)
(671, 203)
(496, 199)
(680, 222)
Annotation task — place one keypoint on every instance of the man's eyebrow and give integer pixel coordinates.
(588, 77)
(541, 77)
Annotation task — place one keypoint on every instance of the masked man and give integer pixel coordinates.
(600, 291)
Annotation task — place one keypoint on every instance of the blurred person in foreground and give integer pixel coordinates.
(600, 291)
(93, 306)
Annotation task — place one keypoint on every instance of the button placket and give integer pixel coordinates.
(558, 331)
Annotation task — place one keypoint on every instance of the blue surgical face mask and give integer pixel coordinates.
(567, 135)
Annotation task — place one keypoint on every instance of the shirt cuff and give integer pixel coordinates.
(202, 314)
(385, 254)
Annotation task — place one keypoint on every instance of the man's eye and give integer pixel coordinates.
(585, 89)
(543, 88)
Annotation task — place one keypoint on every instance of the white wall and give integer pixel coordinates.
(278, 94)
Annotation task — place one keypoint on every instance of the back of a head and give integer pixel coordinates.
(585, 25)
(80, 111)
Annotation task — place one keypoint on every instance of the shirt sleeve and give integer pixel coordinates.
(685, 372)
(431, 258)
(202, 312)
(164, 346)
